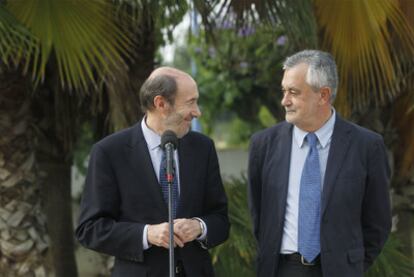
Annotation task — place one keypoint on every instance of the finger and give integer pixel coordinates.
(179, 234)
(166, 243)
(178, 241)
(164, 236)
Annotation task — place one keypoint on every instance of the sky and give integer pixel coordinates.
(179, 32)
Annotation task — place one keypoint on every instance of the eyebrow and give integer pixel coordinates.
(192, 99)
(290, 88)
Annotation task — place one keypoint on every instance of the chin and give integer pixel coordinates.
(289, 118)
(183, 133)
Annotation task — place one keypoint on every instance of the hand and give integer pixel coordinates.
(187, 229)
(158, 234)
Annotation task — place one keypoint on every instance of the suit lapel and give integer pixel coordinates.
(279, 172)
(337, 152)
(186, 166)
(140, 161)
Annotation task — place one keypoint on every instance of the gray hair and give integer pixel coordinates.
(322, 70)
(163, 85)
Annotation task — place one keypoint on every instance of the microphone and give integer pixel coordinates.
(169, 142)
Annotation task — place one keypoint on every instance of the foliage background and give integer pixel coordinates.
(70, 72)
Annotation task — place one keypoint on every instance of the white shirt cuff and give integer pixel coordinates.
(204, 229)
(145, 244)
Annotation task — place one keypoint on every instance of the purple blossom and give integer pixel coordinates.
(212, 52)
(244, 65)
(226, 25)
(281, 40)
(197, 50)
(246, 31)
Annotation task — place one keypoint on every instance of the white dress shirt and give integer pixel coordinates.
(153, 141)
(300, 149)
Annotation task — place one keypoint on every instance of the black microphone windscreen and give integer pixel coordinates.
(169, 137)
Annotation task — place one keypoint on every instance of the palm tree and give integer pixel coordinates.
(22, 220)
(67, 56)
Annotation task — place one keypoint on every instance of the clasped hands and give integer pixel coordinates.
(185, 230)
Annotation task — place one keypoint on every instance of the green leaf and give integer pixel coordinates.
(83, 36)
(370, 40)
(16, 42)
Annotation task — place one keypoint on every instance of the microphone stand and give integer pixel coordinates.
(169, 142)
(170, 179)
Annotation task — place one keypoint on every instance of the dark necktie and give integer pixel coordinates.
(164, 184)
(310, 203)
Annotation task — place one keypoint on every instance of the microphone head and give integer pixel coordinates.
(169, 137)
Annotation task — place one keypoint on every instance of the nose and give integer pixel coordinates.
(285, 100)
(196, 112)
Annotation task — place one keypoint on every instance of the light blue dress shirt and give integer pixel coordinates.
(153, 141)
(300, 149)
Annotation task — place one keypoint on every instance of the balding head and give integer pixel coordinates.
(170, 71)
(162, 81)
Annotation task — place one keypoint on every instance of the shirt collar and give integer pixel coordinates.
(153, 139)
(323, 134)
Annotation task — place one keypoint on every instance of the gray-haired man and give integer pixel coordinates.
(318, 185)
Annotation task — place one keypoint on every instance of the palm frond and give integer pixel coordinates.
(391, 261)
(370, 40)
(296, 16)
(16, 42)
(82, 35)
(236, 256)
(166, 14)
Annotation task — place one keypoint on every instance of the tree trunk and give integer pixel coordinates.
(122, 92)
(24, 243)
(58, 207)
(57, 127)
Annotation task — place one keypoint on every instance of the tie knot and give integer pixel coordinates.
(312, 139)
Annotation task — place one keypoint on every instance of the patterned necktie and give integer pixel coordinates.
(164, 184)
(310, 203)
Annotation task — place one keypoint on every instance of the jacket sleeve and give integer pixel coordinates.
(376, 210)
(254, 185)
(99, 227)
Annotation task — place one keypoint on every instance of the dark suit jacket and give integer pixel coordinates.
(355, 216)
(122, 194)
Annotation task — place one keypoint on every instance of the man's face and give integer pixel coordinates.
(301, 103)
(185, 108)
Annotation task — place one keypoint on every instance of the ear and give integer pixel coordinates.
(160, 103)
(325, 95)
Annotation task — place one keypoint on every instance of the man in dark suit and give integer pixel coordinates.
(123, 209)
(318, 185)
